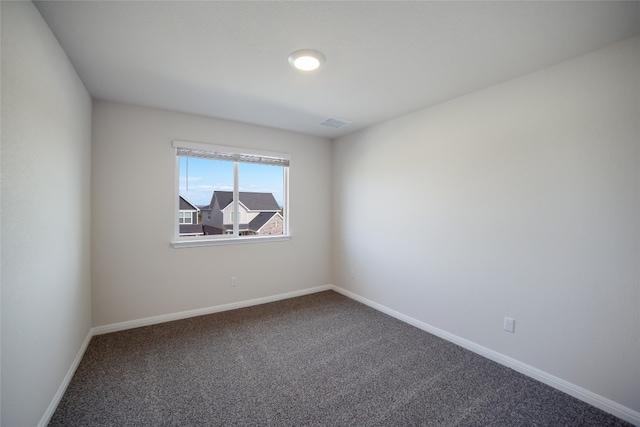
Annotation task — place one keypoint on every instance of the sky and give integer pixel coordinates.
(205, 176)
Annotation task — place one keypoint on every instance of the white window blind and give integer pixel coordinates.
(233, 156)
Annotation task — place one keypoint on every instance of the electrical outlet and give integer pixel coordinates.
(352, 273)
(509, 325)
(234, 281)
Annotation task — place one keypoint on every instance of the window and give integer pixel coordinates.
(185, 217)
(232, 183)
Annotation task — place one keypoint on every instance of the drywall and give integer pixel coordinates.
(520, 200)
(46, 143)
(136, 274)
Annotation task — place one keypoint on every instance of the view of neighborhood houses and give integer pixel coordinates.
(206, 198)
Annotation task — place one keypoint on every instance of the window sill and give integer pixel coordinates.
(192, 243)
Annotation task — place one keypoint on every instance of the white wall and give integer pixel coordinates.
(135, 274)
(46, 132)
(521, 200)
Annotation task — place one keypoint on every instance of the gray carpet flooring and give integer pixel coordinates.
(316, 360)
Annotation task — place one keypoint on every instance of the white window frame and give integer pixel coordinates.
(181, 213)
(236, 155)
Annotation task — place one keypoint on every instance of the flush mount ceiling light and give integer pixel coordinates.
(306, 59)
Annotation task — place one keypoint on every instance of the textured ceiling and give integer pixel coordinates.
(384, 59)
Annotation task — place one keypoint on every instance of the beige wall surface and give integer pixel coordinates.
(523, 200)
(46, 143)
(528, 198)
(136, 274)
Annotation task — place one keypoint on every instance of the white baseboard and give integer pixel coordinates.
(587, 396)
(65, 382)
(99, 330)
(114, 327)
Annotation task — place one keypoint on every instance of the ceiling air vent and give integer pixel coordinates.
(332, 122)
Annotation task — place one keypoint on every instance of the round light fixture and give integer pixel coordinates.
(306, 59)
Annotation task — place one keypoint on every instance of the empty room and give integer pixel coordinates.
(320, 213)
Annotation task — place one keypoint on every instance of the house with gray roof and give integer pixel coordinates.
(259, 214)
(189, 218)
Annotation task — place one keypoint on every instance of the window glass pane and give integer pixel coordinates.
(206, 188)
(208, 184)
(185, 217)
(262, 195)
